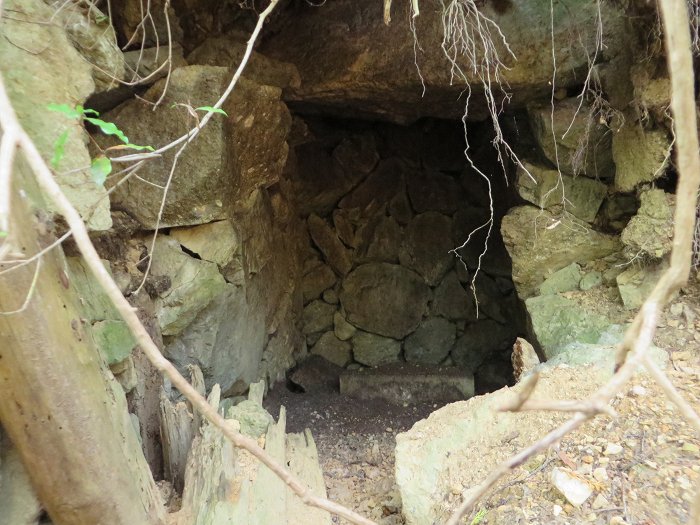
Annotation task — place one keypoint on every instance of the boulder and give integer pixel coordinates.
(641, 155)
(226, 51)
(378, 188)
(557, 322)
(583, 144)
(319, 181)
(591, 280)
(547, 188)
(109, 331)
(61, 76)
(451, 300)
(328, 242)
(317, 317)
(480, 340)
(564, 280)
(426, 246)
(400, 208)
(93, 36)
(342, 329)
(650, 232)
(357, 153)
(534, 239)
(385, 299)
(333, 349)
(316, 281)
(495, 260)
(637, 282)
(226, 340)
(217, 242)
(341, 55)
(434, 191)
(193, 285)
(344, 227)
(128, 17)
(147, 62)
(233, 155)
(375, 350)
(431, 342)
(385, 242)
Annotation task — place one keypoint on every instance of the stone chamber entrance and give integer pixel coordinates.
(327, 243)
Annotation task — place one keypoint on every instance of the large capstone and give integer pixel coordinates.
(385, 299)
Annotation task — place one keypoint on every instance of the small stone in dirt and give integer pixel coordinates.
(556, 510)
(690, 448)
(638, 391)
(574, 488)
(600, 502)
(612, 449)
(600, 474)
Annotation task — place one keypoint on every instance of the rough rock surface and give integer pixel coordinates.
(227, 52)
(217, 242)
(193, 284)
(564, 280)
(228, 348)
(427, 242)
(375, 350)
(534, 239)
(636, 283)
(109, 331)
(583, 143)
(557, 321)
(431, 342)
(233, 155)
(55, 74)
(640, 155)
(451, 300)
(340, 52)
(333, 349)
(480, 340)
(328, 242)
(650, 232)
(547, 188)
(385, 299)
(317, 317)
(94, 37)
(316, 281)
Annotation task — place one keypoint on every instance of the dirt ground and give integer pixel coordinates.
(650, 481)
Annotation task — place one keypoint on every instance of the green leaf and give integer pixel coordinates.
(3, 233)
(108, 128)
(99, 169)
(212, 109)
(59, 149)
(479, 517)
(68, 111)
(90, 112)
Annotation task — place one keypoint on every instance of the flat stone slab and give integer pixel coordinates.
(405, 383)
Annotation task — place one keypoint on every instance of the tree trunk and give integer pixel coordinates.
(68, 421)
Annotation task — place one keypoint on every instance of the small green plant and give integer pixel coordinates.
(479, 517)
(101, 166)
